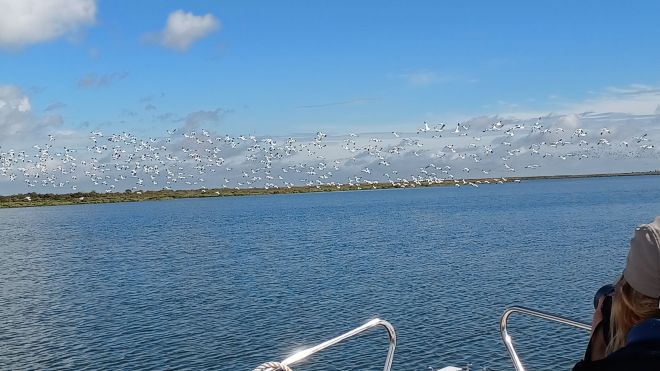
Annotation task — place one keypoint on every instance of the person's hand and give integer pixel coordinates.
(597, 345)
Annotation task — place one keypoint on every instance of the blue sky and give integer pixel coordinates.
(281, 67)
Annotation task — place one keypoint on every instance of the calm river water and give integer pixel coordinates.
(229, 283)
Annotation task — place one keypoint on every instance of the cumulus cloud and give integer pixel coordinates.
(26, 22)
(93, 80)
(183, 29)
(14, 110)
(16, 116)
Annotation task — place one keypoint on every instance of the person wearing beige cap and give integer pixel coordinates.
(631, 340)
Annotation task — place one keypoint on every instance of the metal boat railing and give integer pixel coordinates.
(534, 313)
(506, 338)
(301, 355)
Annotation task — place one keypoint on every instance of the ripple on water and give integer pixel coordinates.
(230, 283)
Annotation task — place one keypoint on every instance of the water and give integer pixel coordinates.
(229, 283)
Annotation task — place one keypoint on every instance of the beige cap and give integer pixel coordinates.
(643, 264)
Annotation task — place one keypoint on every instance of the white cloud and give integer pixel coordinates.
(16, 117)
(25, 22)
(183, 29)
(571, 121)
(14, 109)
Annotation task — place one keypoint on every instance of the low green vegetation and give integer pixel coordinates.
(53, 199)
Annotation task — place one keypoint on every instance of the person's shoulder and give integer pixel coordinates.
(640, 356)
(643, 350)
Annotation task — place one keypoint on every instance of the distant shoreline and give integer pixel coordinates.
(78, 198)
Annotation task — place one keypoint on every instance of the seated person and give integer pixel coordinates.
(627, 336)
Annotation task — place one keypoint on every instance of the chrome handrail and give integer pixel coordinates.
(535, 313)
(299, 356)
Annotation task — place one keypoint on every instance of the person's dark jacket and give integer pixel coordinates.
(641, 352)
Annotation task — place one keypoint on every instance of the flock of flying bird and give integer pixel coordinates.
(434, 153)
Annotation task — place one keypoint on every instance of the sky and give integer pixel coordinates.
(282, 68)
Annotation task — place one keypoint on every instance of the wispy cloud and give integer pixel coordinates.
(633, 89)
(183, 29)
(634, 99)
(28, 22)
(350, 102)
(93, 80)
(422, 77)
(55, 106)
(195, 120)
